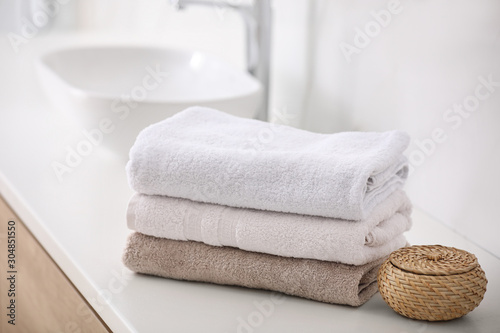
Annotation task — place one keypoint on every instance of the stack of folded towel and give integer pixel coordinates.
(236, 201)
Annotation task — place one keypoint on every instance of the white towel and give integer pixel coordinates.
(283, 234)
(206, 155)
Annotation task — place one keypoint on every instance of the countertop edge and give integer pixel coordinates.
(60, 257)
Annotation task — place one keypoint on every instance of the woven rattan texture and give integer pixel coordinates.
(433, 260)
(431, 297)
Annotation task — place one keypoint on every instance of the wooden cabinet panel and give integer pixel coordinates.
(45, 299)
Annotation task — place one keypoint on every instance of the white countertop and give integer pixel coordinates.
(81, 223)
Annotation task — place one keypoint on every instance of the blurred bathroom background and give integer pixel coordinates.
(429, 67)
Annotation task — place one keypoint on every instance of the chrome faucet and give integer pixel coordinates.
(257, 19)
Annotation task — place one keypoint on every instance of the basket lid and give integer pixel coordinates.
(433, 260)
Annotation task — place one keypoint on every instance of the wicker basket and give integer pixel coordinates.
(432, 282)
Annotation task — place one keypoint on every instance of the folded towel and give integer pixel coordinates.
(205, 155)
(318, 280)
(284, 234)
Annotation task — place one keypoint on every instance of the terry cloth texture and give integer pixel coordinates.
(284, 234)
(206, 155)
(193, 261)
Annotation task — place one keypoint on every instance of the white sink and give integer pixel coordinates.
(121, 90)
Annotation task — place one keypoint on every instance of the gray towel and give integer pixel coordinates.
(205, 155)
(314, 279)
(284, 234)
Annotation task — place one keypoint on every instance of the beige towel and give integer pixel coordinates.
(314, 279)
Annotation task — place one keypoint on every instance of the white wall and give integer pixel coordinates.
(428, 57)
(209, 28)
